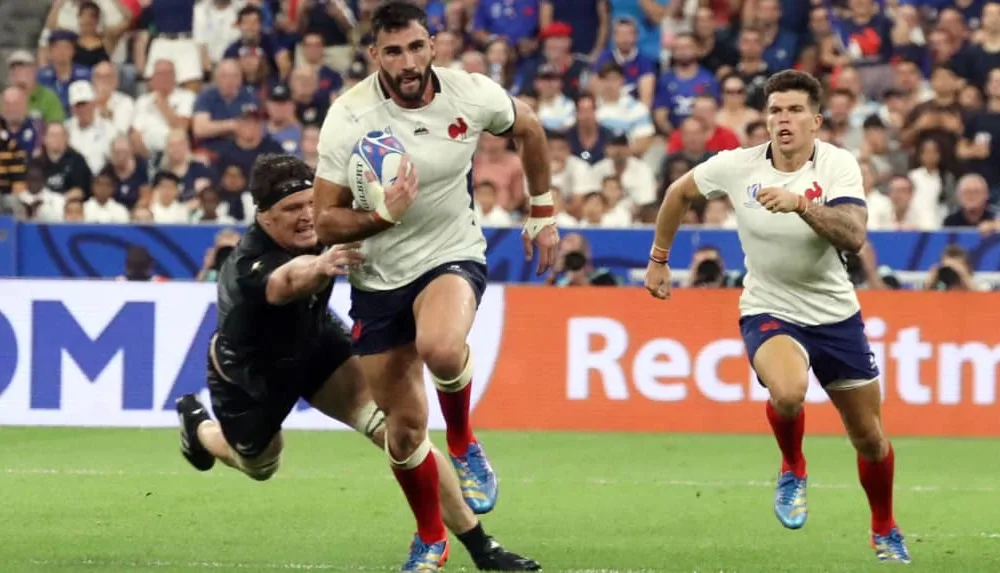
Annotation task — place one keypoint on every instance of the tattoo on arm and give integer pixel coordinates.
(843, 225)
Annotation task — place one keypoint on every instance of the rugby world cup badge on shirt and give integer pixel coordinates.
(752, 191)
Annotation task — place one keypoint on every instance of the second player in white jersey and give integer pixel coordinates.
(440, 140)
(792, 272)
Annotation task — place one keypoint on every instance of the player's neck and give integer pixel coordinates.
(791, 162)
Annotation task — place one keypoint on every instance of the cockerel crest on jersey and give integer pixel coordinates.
(459, 129)
(814, 193)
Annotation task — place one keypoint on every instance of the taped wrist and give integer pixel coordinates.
(540, 215)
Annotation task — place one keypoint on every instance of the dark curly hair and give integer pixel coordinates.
(271, 170)
(795, 81)
(394, 15)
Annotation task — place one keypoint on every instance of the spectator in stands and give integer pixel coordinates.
(974, 209)
(589, 138)
(13, 163)
(142, 215)
(446, 50)
(209, 211)
(636, 176)
(129, 173)
(42, 101)
(593, 208)
(334, 21)
(214, 30)
(823, 39)
(166, 32)
(618, 212)
(250, 141)
(718, 137)
(980, 144)
(911, 83)
(556, 111)
(939, 118)
(556, 41)
(734, 114)
(984, 54)
(716, 52)
(310, 103)
(65, 15)
(102, 207)
(217, 108)
(164, 108)
(905, 214)
(570, 174)
(954, 272)
(139, 266)
(756, 133)
(487, 212)
(677, 87)
(575, 266)
(621, 113)
(41, 204)
(282, 125)
(879, 205)
(867, 35)
(563, 219)
(587, 18)
(89, 133)
(312, 57)
(501, 63)
(648, 15)
(310, 146)
(193, 175)
(781, 45)
(718, 212)
(495, 163)
(66, 171)
(886, 159)
(840, 106)
(225, 241)
(472, 62)
(256, 71)
(514, 20)
(112, 105)
(639, 72)
(14, 114)
(165, 206)
(708, 270)
(62, 72)
(94, 45)
(751, 67)
(236, 200)
(693, 138)
(250, 22)
(971, 99)
(73, 210)
(933, 189)
(847, 78)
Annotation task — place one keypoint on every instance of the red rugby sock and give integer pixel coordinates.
(789, 433)
(876, 479)
(455, 408)
(420, 485)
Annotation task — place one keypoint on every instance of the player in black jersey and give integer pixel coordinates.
(277, 341)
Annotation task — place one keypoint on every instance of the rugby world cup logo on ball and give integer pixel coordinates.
(375, 159)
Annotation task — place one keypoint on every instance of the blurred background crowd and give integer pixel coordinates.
(154, 110)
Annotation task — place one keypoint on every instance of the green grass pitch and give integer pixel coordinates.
(104, 500)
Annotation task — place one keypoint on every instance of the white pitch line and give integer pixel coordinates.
(521, 480)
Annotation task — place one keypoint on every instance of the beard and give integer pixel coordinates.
(396, 85)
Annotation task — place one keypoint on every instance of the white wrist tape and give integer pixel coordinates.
(541, 214)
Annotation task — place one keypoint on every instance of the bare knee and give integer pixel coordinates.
(444, 356)
(787, 397)
(869, 441)
(406, 430)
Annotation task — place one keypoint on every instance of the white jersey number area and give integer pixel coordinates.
(440, 138)
(792, 273)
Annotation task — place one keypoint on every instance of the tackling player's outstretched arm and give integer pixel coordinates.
(306, 275)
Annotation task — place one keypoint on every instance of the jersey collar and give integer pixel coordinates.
(770, 156)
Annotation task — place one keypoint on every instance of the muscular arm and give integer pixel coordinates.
(336, 221)
(843, 225)
(528, 131)
(298, 278)
(675, 205)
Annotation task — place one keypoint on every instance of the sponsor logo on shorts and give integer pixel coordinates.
(356, 331)
(770, 325)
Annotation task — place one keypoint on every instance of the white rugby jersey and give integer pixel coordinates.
(792, 272)
(440, 138)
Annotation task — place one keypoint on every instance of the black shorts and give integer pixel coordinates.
(384, 319)
(251, 411)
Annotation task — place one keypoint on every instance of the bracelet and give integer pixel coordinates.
(659, 251)
(803, 205)
(657, 261)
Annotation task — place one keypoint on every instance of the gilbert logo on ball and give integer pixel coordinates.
(373, 166)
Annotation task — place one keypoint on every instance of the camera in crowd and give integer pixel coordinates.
(575, 266)
(708, 270)
(953, 272)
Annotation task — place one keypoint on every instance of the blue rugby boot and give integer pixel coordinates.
(426, 557)
(790, 500)
(891, 547)
(476, 478)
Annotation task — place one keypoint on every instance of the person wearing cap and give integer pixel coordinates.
(282, 125)
(61, 71)
(588, 18)
(514, 20)
(557, 40)
(43, 103)
(250, 140)
(556, 111)
(638, 70)
(89, 133)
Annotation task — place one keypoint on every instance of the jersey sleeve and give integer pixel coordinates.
(496, 111)
(711, 175)
(252, 274)
(847, 187)
(335, 146)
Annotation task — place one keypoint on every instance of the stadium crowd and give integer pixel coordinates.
(154, 110)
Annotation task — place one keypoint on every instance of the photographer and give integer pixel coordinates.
(225, 241)
(953, 272)
(575, 266)
(708, 270)
(865, 272)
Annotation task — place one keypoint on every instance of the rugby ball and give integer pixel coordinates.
(374, 159)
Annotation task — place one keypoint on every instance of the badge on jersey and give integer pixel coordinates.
(752, 191)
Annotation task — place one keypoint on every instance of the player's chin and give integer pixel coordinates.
(305, 237)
